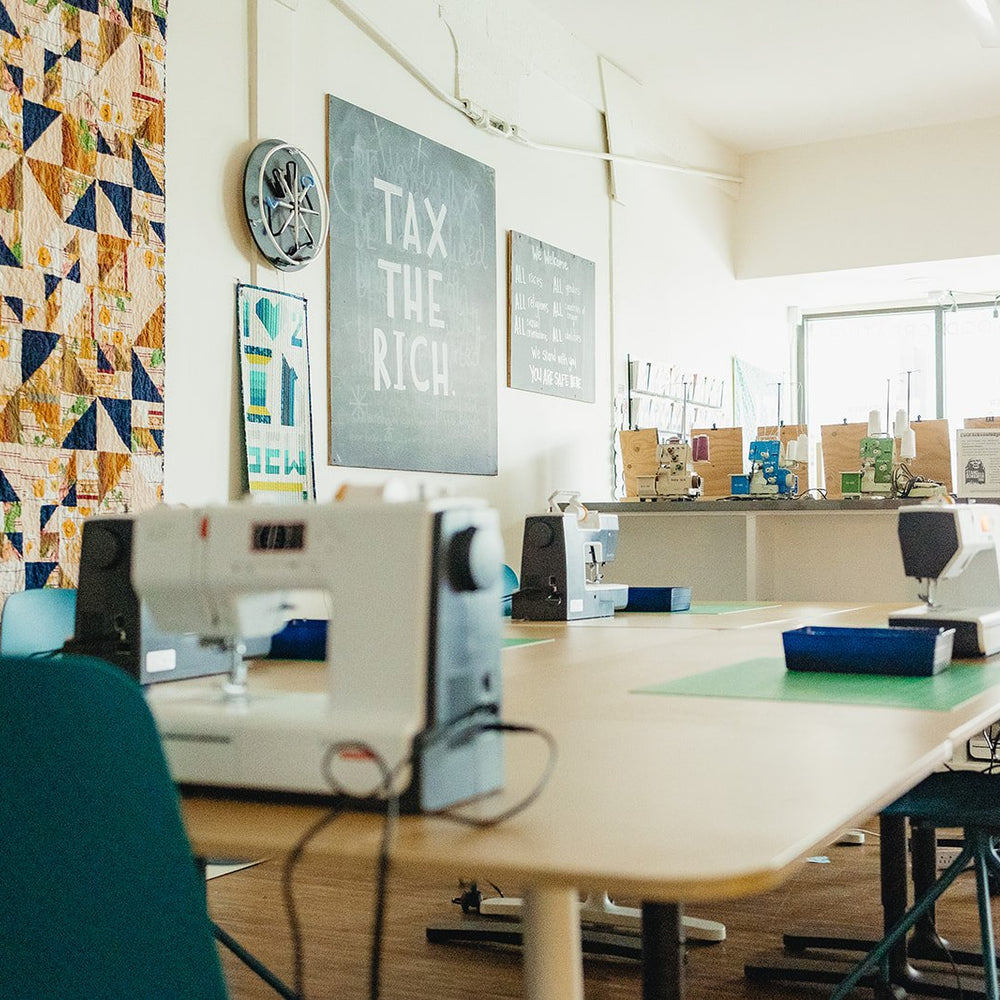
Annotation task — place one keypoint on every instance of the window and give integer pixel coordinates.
(851, 363)
(972, 363)
(858, 362)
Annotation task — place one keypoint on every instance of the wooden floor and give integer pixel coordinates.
(337, 918)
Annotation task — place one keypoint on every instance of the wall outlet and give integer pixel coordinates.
(945, 856)
(981, 746)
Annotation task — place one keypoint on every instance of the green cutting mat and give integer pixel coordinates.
(522, 642)
(768, 680)
(727, 609)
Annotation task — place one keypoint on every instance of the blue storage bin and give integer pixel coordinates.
(300, 639)
(659, 599)
(909, 652)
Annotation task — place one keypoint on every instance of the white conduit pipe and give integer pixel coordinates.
(483, 119)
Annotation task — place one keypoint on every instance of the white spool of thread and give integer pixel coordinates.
(874, 423)
(908, 444)
(899, 424)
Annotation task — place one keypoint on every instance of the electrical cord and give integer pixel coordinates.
(751, 497)
(391, 818)
(456, 732)
(994, 742)
(291, 909)
(470, 897)
(484, 822)
(904, 480)
(951, 962)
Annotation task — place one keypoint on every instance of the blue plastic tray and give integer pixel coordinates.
(659, 599)
(300, 639)
(906, 652)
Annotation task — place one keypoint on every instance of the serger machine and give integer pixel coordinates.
(767, 476)
(875, 477)
(563, 555)
(951, 550)
(413, 646)
(675, 477)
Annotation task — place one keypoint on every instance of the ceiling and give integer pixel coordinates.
(762, 74)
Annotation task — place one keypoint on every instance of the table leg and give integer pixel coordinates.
(553, 960)
(925, 941)
(662, 951)
(895, 888)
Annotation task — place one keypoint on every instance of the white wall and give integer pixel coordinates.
(924, 194)
(300, 56)
(667, 252)
(208, 247)
(675, 296)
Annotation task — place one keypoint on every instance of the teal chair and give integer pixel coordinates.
(37, 621)
(99, 894)
(967, 799)
(508, 587)
(34, 622)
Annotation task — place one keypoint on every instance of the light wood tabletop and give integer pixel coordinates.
(675, 799)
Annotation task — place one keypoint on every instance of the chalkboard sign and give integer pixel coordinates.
(550, 331)
(413, 300)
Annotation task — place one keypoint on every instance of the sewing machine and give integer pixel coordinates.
(952, 552)
(675, 477)
(113, 624)
(767, 477)
(413, 646)
(563, 555)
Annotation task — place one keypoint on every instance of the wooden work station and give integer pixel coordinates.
(641, 803)
(813, 546)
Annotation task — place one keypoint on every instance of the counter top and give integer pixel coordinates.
(727, 505)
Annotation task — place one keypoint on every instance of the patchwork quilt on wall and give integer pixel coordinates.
(81, 274)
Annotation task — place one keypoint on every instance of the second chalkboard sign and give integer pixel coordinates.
(550, 331)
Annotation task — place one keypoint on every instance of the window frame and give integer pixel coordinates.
(938, 310)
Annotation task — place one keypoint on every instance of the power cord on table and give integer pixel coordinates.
(904, 480)
(456, 731)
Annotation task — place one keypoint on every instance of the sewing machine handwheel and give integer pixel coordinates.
(540, 534)
(474, 559)
(105, 547)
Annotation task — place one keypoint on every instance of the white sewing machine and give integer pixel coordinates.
(952, 552)
(563, 555)
(413, 645)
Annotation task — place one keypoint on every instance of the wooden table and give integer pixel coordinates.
(669, 799)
